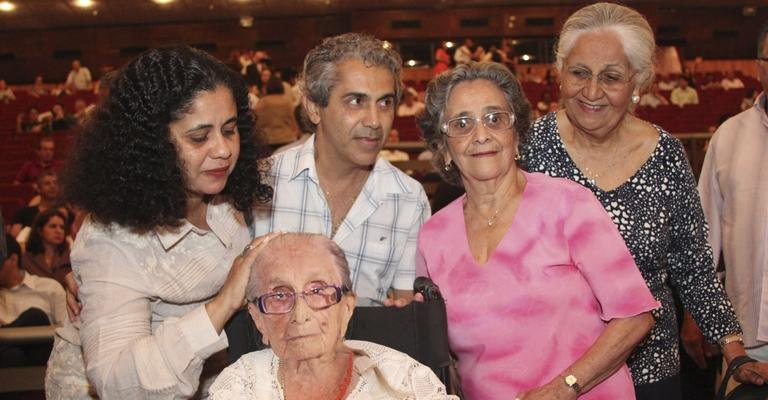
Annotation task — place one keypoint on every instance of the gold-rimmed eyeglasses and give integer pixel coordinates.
(495, 121)
(578, 77)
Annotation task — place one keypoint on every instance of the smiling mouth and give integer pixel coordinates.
(593, 107)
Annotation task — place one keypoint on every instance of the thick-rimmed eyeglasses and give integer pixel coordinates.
(283, 301)
(578, 77)
(495, 121)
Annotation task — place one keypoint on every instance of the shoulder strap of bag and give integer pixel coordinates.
(732, 367)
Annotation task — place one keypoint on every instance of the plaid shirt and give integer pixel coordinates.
(378, 234)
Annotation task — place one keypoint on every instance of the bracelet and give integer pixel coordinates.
(727, 339)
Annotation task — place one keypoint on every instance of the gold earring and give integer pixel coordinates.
(517, 156)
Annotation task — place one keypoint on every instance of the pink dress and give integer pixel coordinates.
(544, 295)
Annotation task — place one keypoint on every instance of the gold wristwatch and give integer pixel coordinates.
(573, 383)
(727, 339)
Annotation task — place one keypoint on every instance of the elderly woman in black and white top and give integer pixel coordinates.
(640, 174)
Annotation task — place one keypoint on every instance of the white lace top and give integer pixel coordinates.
(382, 373)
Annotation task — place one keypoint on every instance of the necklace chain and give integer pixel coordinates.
(492, 220)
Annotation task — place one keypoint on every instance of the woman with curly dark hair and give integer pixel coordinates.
(47, 249)
(166, 168)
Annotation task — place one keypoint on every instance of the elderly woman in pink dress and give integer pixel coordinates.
(544, 300)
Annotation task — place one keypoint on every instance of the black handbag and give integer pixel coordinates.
(745, 391)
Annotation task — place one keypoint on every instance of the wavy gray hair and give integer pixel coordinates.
(439, 90)
(320, 65)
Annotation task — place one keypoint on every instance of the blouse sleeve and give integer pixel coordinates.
(689, 256)
(599, 252)
(124, 358)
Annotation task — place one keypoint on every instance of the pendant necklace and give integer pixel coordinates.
(492, 220)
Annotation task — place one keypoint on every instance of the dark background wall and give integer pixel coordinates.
(710, 32)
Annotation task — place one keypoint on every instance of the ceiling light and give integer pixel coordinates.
(163, 1)
(7, 6)
(83, 3)
(411, 63)
(526, 57)
(246, 21)
(449, 44)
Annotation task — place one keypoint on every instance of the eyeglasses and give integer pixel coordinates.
(317, 298)
(577, 77)
(493, 121)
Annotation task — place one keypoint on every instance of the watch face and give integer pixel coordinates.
(570, 380)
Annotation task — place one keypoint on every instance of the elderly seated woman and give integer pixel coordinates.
(308, 357)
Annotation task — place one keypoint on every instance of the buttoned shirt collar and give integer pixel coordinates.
(170, 236)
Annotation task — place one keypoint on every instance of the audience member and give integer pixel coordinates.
(6, 94)
(683, 94)
(320, 365)
(61, 90)
(731, 81)
(733, 194)
(710, 82)
(47, 249)
(157, 260)
(48, 189)
(442, 59)
(38, 88)
(61, 120)
(26, 300)
(750, 96)
(31, 122)
(565, 256)
(411, 106)
(666, 82)
(45, 161)
(463, 54)
(545, 105)
(640, 174)
(653, 98)
(335, 184)
(79, 78)
(264, 76)
(274, 115)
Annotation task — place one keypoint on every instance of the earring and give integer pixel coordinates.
(447, 167)
(517, 156)
(635, 98)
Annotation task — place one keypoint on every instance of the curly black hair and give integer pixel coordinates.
(125, 168)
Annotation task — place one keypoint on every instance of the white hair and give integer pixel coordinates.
(632, 28)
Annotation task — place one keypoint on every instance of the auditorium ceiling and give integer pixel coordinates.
(52, 14)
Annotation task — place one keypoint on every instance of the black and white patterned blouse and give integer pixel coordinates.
(659, 214)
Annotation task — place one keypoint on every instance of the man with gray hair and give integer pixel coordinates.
(734, 195)
(335, 184)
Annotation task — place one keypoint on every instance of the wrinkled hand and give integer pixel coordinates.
(403, 301)
(233, 291)
(232, 295)
(554, 390)
(694, 343)
(73, 299)
(754, 372)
